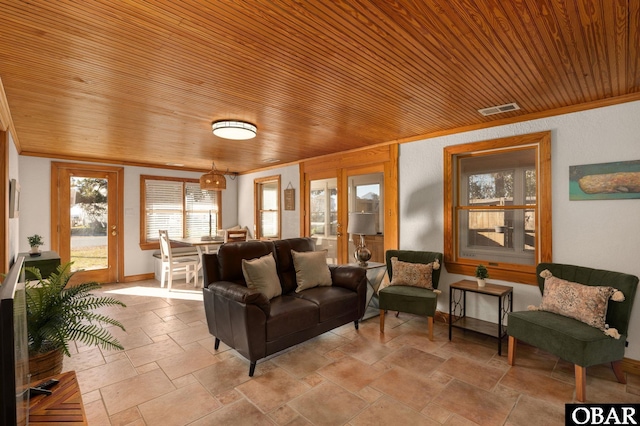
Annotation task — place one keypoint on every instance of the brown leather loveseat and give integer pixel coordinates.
(247, 321)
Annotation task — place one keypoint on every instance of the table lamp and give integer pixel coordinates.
(362, 224)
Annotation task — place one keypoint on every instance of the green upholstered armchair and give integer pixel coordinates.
(570, 339)
(413, 300)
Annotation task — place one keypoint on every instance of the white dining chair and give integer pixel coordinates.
(170, 264)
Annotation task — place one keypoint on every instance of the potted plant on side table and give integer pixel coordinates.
(481, 275)
(35, 241)
(58, 314)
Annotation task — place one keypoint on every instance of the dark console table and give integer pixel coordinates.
(47, 262)
(458, 308)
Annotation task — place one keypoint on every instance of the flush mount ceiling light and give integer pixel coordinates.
(214, 180)
(237, 130)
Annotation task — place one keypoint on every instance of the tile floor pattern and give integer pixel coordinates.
(169, 374)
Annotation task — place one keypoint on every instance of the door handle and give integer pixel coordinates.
(114, 233)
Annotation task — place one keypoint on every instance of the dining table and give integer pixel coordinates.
(202, 245)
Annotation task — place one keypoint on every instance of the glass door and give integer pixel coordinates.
(88, 222)
(324, 225)
(366, 195)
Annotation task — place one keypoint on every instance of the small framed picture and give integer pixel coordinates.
(14, 198)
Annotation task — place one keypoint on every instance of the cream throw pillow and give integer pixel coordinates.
(261, 274)
(311, 269)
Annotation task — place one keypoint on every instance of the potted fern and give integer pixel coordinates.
(58, 314)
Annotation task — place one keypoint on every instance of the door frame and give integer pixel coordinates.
(382, 158)
(56, 167)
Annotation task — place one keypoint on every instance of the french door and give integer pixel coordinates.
(334, 186)
(86, 219)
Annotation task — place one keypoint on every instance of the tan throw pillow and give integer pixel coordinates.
(261, 274)
(311, 269)
(413, 274)
(584, 303)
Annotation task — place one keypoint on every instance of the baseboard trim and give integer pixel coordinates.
(629, 365)
(139, 277)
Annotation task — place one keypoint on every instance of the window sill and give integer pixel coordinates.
(517, 274)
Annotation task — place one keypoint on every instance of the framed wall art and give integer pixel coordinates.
(14, 198)
(605, 181)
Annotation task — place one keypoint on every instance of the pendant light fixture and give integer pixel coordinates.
(236, 130)
(214, 180)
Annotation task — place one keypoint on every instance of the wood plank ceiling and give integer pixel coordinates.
(140, 82)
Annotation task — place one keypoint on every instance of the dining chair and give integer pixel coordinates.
(235, 235)
(170, 264)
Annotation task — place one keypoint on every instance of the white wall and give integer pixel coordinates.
(290, 218)
(601, 234)
(36, 201)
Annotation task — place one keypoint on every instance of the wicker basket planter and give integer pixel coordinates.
(45, 364)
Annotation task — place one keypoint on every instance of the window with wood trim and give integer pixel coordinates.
(177, 205)
(498, 206)
(267, 205)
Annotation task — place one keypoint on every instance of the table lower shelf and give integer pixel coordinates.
(479, 326)
(63, 406)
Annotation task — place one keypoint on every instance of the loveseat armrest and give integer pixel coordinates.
(237, 293)
(348, 276)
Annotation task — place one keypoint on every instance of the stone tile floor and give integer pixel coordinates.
(169, 374)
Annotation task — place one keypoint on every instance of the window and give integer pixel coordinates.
(267, 202)
(177, 205)
(498, 206)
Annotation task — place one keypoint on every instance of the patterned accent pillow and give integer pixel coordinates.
(412, 274)
(585, 303)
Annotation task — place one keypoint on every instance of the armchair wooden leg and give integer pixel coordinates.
(381, 320)
(430, 322)
(511, 356)
(581, 383)
(617, 370)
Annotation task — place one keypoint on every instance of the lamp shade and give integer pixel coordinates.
(362, 224)
(213, 180)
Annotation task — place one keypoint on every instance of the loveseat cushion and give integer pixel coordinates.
(290, 314)
(567, 338)
(230, 257)
(332, 302)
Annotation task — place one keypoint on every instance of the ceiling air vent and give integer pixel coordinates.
(498, 109)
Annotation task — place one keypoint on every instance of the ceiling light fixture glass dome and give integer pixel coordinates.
(236, 130)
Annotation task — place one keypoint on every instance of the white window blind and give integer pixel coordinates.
(182, 208)
(201, 211)
(269, 210)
